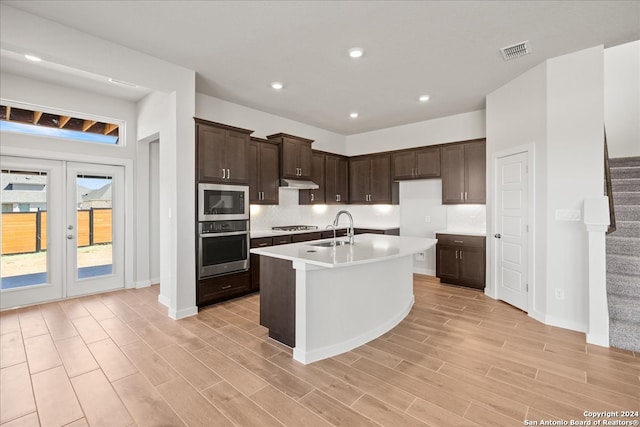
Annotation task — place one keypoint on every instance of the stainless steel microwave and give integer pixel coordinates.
(221, 202)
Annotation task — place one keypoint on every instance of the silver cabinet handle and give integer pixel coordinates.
(263, 244)
(228, 174)
(465, 196)
(226, 287)
(312, 198)
(461, 197)
(456, 254)
(460, 254)
(458, 241)
(224, 174)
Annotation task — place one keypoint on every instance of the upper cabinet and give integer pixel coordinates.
(295, 156)
(464, 173)
(317, 196)
(336, 179)
(222, 153)
(417, 163)
(263, 159)
(370, 180)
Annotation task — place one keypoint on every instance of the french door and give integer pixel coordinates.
(62, 229)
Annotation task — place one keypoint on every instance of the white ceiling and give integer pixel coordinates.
(447, 49)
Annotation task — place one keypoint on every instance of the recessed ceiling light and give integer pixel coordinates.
(423, 98)
(353, 115)
(277, 85)
(356, 52)
(33, 58)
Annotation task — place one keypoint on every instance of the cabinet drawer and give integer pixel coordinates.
(261, 242)
(305, 237)
(218, 288)
(460, 240)
(329, 233)
(282, 240)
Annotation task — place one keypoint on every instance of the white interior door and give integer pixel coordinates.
(33, 255)
(511, 228)
(62, 230)
(94, 228)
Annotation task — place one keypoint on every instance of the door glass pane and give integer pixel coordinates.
(94, 226)
(24, 229)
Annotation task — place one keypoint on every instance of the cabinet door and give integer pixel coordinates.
(211, 145)
(428, 163)
(235, 153)
(359, 170)
(475, 173)
(453, 174)
(404, 165)
(380, 179)
(253, 161)
(472, 266)
(289, 159)
(447, 265)
(336, 179)
(305, 160)
(269, 173)
(306, 197)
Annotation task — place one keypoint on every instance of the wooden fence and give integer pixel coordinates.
(25, 232)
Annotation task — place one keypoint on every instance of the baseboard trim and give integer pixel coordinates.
(164, 300)
(155, 281)
(565, 323)
(181, 314)
(424, 271)
(143, 284)
(598, 339)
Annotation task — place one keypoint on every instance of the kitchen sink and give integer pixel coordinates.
(330, 244)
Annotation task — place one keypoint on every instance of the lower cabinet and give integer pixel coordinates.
(460, 260)
(262, 242)
(220, 288)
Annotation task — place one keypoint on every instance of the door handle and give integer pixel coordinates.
(497, 236)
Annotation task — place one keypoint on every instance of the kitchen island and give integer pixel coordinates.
(325, 300)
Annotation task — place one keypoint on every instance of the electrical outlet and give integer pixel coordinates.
(559, 294)
(420, 256)
(427, 219)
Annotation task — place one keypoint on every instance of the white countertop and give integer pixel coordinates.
(271, 233)
(368, 248)
(464, 232)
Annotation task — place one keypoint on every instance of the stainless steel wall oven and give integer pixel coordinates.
(223, 247)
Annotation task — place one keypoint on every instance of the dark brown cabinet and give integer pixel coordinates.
(460, 260)
(464, 173)
(278, 299)
(220, 288)
(222, 153)
(317, 196)
(388, 231)
(264, 179)
(370, 180)
(336, 179)
(295, 156)
(416, 164)
(262, 242)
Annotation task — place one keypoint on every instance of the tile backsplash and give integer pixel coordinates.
(288, 212)
(467, 217)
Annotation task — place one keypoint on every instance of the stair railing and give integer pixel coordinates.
(608, 187)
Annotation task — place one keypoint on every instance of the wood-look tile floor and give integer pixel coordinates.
(459, 358)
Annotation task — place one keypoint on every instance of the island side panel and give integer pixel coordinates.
(278, 299)
(342, 308)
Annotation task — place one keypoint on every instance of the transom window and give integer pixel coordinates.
(30, 122)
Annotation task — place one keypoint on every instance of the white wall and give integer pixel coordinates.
(558, 107)
(622, 99)
(263, 124)
(575, 123)
(459, 127)
(517, 117)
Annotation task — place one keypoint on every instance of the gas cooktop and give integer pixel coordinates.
(295, 227)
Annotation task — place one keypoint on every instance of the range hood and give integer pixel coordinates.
(298, 184)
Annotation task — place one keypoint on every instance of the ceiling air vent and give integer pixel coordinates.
(516, 50)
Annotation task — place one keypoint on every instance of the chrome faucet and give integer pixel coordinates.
(350, 229)
(333, 227)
